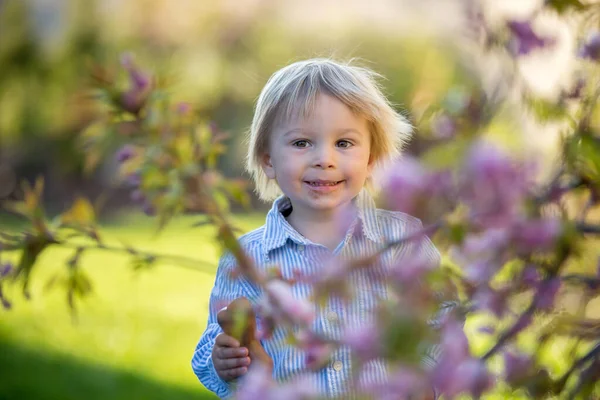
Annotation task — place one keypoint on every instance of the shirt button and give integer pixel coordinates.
(332, 316)
(338, 365)
(300, 247)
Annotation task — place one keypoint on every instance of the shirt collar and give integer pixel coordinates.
(278, 230)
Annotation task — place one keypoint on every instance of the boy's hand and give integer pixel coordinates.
(230, 360)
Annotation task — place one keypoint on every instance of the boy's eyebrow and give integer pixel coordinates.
(295, 130)
(348, 130)
(339, 131)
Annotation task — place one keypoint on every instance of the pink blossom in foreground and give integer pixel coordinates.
(125, 153)
(411, 270)
(364, 341)
(139, 86)
(409, 187)
(443, 127)
(298, 311)
(256, 384)
(482, 255)
(530, 276)
(546, 293)
(259, 384)
(404, 185)
(400, 384)
(470, 376)
(516, 366)
(454, 342)
(299, 389)
(591, 48)
(532, 235)
(493, 186)
(525, 40)
(490, 300)
(317, 350)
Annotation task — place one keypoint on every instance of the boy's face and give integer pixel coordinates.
(323, 161)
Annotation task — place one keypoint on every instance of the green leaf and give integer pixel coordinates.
(546, 111)
(563, 5)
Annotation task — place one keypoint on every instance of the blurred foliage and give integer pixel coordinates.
(59, 76)
(217, 60)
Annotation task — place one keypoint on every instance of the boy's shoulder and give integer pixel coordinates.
(398, 218)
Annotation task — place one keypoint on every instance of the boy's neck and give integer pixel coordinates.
(326, 228)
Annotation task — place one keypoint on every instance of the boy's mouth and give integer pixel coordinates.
(319, 183)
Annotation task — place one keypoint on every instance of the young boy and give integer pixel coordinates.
(320, 129)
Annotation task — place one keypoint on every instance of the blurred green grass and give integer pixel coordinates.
(132, 338)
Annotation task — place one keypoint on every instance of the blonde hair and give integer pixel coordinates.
(293, 91)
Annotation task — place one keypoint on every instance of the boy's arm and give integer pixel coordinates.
(225, 290)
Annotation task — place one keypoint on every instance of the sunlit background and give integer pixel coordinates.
(134, 337)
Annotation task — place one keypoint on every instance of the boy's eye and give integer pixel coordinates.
(300, 143)
(344, 144)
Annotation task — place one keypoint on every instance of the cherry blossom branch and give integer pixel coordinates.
(588, 228)
(593, 353)
(179, 261)
(518, 326)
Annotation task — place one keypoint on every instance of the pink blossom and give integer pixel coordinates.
(256, 384)
(317, 350)
(454, 342)
(444, 127)
(410, 270)
(298, 389)
(470, 376)
(530, 276)
(493, 186)
(364, 341)
(125, 153)
(516, 366)
(401, 383)
(546, 293)
(525, 40)
(490, 300)
(298, 311)
(482, 255)
(404, 185)
(139, 85)
(539, 234)
(591, 48)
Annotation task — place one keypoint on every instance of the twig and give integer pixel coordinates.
(588, 228)
(594, 352)
(514, 329)
(180, 261)
(585, 375)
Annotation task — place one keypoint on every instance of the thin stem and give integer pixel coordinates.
(594, 352)
(510, 332)
(428, 230)
(585, 375)
(588, 228)
(180, 261)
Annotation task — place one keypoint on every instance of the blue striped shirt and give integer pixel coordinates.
(278, 243)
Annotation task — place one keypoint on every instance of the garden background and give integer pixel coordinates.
(134, 336)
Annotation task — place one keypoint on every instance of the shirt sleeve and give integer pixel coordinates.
(225, 290)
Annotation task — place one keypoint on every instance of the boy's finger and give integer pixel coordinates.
(231, 363)
(224, 340)
(234, 372)
(232, 352)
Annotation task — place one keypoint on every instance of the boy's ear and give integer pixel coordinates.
(370, 165)
(267, 166)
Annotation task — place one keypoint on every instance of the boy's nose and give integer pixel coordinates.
(324, 158)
